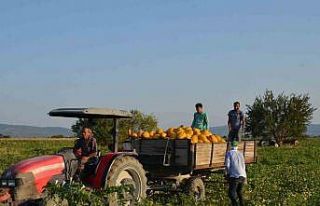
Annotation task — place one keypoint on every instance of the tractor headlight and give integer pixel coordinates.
(11, 183)
(4, 183)
(8, 183)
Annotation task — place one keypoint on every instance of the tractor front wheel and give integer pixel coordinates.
(127, 171)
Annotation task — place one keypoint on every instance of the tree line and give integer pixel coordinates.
(270, 116)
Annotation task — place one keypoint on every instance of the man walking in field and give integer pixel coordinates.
(236, 174)
(200, 118)
(235, 122)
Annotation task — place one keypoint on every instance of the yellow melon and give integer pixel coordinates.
(146, 135)
(220, 139)
(170, 130)
(159, 131)
(140, 133)
(134, 135)
(189, 133)
(196, 131)
(181, 134)
(202, 137)
(152, 133)
(180, 129)
(206, 133)
(163, 135)
(173, 135)
(194, 139)
(214, 139)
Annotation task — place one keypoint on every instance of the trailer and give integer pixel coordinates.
(178, 165)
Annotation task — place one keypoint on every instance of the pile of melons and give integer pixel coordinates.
(195, 135)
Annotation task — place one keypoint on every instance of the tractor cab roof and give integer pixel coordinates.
(90, 113)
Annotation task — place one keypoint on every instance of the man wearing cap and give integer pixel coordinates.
(235, 122)
(236, 174)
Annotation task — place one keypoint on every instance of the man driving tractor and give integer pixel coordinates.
(85, 148)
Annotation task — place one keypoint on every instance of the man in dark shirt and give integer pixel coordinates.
(85, 147)
(235, 122)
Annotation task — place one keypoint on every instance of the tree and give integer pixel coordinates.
(279, 117)
(102, 128)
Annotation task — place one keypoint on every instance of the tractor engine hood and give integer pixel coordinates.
(32, 175)
(38, 166)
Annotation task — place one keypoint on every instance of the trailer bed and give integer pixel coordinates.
(179, 156)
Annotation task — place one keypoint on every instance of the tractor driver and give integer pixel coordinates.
(85, 148)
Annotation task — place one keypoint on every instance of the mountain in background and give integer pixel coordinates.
(313, 130)
(31, 131)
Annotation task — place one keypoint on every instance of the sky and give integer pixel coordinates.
(159, 56)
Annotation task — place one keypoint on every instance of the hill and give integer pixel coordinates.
(31, 131)
(313, 130)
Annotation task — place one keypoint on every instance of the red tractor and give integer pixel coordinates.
(25, 181)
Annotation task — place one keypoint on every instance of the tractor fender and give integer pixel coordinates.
(114, 158)
(98, 180)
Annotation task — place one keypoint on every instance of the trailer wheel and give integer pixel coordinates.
(195, 187)
(127, 170)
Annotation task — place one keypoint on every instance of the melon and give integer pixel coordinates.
(140, 133)
(214, 139)
(134, 135)
(181, 134)
(206, 133)
(159, 131)
(197, 131)
(146, 135)
(194, 139)
(152, 133)
(163, 135)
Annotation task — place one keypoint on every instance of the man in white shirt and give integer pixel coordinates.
(236, 174)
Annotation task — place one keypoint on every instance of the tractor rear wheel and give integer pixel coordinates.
(195, 187)
(127, 171)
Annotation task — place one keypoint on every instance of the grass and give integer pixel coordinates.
(14, 150)
(283, 176)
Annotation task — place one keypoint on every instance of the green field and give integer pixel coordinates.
(282, 176)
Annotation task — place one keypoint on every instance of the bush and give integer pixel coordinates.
(76, 194)
(279, 117)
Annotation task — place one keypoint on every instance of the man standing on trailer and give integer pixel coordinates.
(200, 118)
(235, 122)
(236, 174)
